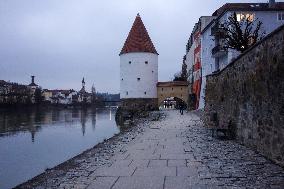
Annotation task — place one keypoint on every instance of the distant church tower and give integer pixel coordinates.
(138, 69)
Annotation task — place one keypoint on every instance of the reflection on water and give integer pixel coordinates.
(33, 140)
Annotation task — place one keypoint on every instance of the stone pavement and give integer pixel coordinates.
(178, 152)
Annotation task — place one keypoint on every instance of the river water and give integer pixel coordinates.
(34, 140)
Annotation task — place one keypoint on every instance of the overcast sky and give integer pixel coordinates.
(61, 41)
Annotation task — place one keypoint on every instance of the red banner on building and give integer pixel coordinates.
(197, 67)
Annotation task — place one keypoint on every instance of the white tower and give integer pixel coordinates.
(138, 69)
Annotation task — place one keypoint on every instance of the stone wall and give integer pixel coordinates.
(139, 104)
(248, 97)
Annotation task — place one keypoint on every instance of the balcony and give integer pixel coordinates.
(218, 31)
(218, 51)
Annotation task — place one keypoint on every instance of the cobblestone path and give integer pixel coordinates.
(178, 152)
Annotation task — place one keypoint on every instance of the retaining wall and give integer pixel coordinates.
(248, 96)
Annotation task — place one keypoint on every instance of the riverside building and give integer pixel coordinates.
(213, 57)
(138, 70)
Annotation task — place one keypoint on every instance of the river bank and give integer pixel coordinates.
(176, 151)
(85, 163)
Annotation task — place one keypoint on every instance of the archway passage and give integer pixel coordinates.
(172, 103)
(177, 89)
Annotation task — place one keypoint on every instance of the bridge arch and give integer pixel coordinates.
(178, 89)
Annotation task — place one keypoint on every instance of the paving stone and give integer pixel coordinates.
(121, 163)
(144, 156)
(139, 163)
(102, 183)
(176, 156)
(179, 182)
(158, 163)
(176, 163)
(186, 171)
(134, 182)
(159, 171)
(114, 171)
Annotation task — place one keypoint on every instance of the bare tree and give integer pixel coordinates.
(241, 33)
(183, 74)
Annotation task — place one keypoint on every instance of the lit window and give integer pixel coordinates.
(146, 62)
(245, 16)
(280, 16)
(138, 79)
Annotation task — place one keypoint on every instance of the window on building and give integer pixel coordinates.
(181, 89)
(122, 79)
(245, 16)
(162, 89)
(138, 79)
(146, 62)
(152, 71)
(129, 62)
(145, 93)
(280, 16)
(172, 89)
(126, 92)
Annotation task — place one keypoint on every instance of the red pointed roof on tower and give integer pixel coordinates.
(138, 39)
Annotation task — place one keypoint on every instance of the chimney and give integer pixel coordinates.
(272, 3)
(33, 79)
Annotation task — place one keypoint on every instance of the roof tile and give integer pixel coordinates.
(138, 39)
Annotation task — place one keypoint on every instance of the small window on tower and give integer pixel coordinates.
(129, 62)
(146, 62)
(122, 79)
(126, 92)
(145, 93)
(152, 71)
(138, 79)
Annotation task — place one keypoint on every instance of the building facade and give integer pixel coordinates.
(193, 59)
(213, 56)
(270, 14)
(138, 69)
